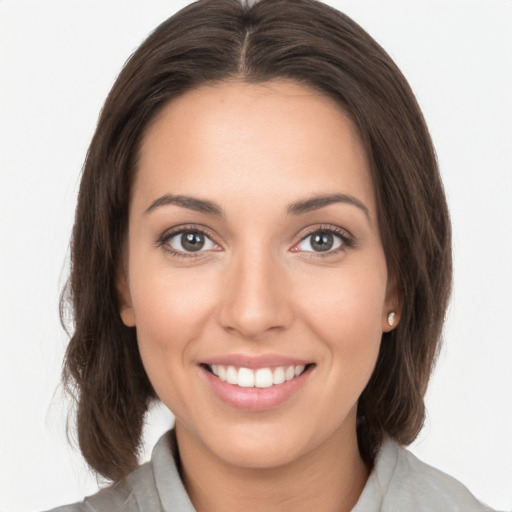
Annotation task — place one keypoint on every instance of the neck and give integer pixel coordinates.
(330, 478)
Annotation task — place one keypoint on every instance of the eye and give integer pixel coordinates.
(189, 241)
(322, 241)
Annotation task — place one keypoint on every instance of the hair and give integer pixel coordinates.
(215, 41)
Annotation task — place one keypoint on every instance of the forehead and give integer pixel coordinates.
(278, 138)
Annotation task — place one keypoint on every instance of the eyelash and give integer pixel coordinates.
(347, 240)
(168, 235)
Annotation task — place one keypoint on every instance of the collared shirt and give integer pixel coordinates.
(399, 482)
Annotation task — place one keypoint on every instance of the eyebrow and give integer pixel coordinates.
(192, 203)
(315, 203)
(296, 208)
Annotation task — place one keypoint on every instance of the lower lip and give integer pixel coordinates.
(255, 399)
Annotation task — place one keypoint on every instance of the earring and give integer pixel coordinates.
(391, 318)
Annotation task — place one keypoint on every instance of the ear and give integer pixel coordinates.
(124, 299)
(392, 306)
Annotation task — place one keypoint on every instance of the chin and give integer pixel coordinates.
(262, 454)
(259, 446)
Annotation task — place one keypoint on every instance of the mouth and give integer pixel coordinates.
(256, 383)
(265, 377)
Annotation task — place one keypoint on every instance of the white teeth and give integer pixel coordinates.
(231, 375)
(263, 378)
(245, 378)
(279, 375)
(260, 378)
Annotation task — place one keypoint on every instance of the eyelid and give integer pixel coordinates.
(168, 234)
(348, 240)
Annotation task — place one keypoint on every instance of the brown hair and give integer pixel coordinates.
(219, 40)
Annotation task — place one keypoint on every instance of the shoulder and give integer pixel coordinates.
(122, 496)
(152, 487)
(406, 483)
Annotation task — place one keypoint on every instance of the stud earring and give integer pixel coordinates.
(391, 318)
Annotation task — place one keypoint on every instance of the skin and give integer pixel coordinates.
(258, 288)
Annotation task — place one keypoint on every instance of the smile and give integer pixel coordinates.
(256, 378)
(255, 384)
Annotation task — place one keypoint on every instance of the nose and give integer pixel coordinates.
(255, 299)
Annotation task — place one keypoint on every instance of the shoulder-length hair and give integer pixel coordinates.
(212, 41)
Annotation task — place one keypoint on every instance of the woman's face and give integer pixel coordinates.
(255, 275)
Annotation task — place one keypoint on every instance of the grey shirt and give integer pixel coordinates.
(399, 482)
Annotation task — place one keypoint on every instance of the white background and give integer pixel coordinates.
(59, 59)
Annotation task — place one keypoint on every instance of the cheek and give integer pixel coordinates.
(170, 308)
(345, 311)
(351, 300)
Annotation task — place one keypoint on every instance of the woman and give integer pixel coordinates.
(262, 243)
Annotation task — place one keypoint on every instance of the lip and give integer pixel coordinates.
(254, 399)
(255, 362)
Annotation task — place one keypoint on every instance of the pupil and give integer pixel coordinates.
(322, 242)
(192, 241)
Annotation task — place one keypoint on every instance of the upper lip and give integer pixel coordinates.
(255, 362)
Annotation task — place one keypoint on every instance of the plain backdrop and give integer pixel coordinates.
(58, 60)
